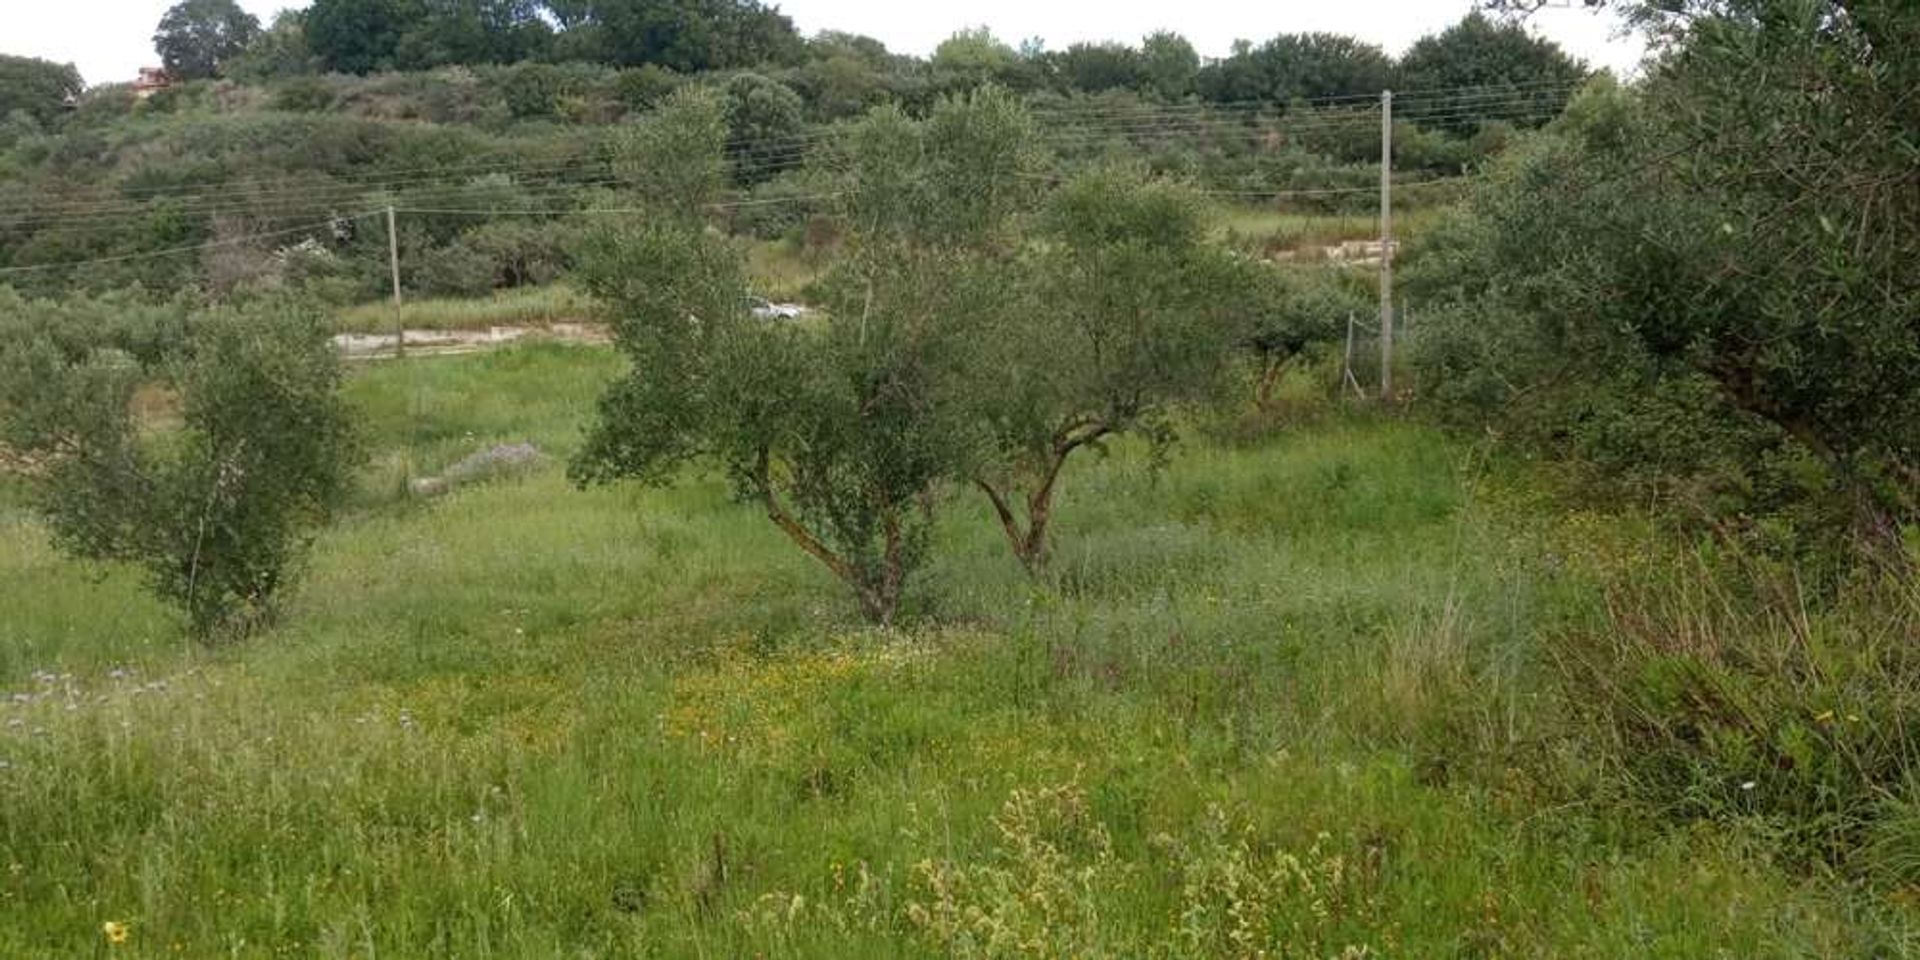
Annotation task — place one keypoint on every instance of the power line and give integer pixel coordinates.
(1137, 123)
(192, 248)
(1085, 108)
(729, 205)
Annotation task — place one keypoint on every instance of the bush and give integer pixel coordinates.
(1659, 277)
(216, 511)
(780, 208)
(305, 95)
(455, 270)
(644, 88)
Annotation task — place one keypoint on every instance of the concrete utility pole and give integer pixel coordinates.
(1386, 244)
(393, 257)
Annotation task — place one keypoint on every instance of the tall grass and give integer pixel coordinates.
(1273, 230)
(528, 721)
(522, 306)
(1717, 690)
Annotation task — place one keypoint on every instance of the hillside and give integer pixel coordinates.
(207, 184)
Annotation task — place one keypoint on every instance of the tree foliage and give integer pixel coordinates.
(1463, 71)
(1701, 282)
(764, 117)
(1131, 311)
(197, 38)
(216, 511)
(1168, 64)
(38, 88)
(358, 36)
(1297, 66)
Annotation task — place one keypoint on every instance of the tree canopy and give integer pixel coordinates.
(38, 88)
(197, 38)
(1459, 70)
(1297, 66)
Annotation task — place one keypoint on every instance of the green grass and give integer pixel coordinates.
(528, 721)
(780, 270)
(1277, 229)
(524, 306)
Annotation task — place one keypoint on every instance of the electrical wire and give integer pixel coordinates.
(191, 248)
(1489, 94)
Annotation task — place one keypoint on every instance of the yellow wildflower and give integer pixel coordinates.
(115, 931)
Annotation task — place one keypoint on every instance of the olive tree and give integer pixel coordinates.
(1131, 311)
(837, 426)
(1291, 312)
(216, 511)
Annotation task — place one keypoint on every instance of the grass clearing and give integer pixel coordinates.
(527, 721)
(522, 306)
(1275, 230)
(781, 270)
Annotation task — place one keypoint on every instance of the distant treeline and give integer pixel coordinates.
(842, 73)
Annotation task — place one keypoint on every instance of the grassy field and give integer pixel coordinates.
(524, 306)
(778, 270)
(1256, 711)
(1276, 230)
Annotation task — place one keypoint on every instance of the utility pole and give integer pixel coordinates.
(1386, 244)
(393, 257)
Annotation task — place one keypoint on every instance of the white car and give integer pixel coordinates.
(765, 309)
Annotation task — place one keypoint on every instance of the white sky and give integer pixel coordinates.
(110, 39)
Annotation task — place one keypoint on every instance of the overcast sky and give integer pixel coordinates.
(110, 39)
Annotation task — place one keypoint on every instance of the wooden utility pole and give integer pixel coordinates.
(1386, 244)
(393, 258)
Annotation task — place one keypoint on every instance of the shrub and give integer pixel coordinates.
(455, 270)
(643, 88)
(1660, 263)
(216, 511)
(305, 95)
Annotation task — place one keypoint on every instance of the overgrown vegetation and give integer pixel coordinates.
(1615, 658)
(1701, 309)
(1728, 322)
(529, 720)
(489, 124)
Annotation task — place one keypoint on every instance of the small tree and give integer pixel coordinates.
(216, 511)
(1168, 64)
(833, 427)
(1132, 312)
(1292, 311)
(674, 159)
(196, 38)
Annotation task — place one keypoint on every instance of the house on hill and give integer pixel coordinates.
(152, 80)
